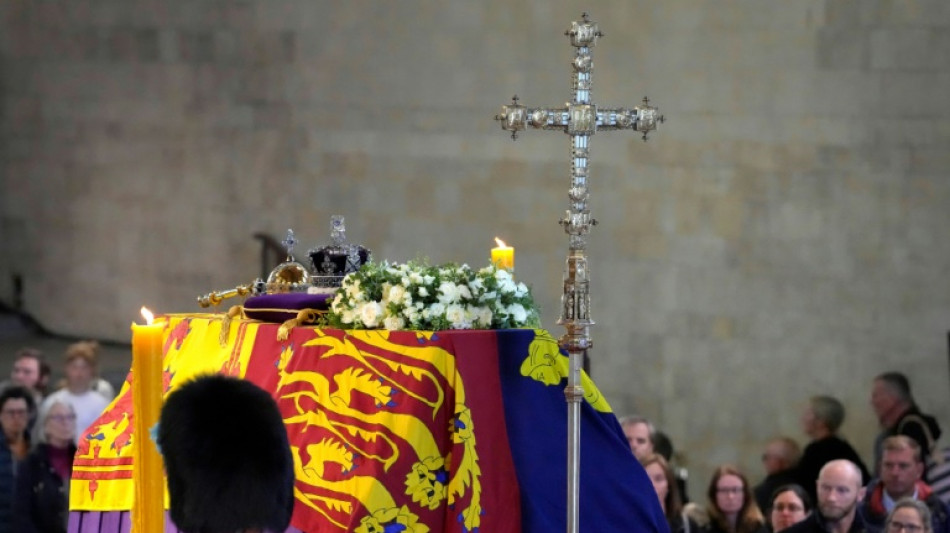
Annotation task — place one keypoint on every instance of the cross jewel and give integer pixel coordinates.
(289, 244)
(580, 119)
(580, 116)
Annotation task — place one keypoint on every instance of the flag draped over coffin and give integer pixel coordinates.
(401, 431)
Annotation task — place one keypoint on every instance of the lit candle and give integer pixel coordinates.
(503, 256)
(148, 508)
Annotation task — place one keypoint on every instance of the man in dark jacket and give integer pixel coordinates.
(821, 421)
(839, 491)
(901, 470)
(899, 415)
(6, 485)
(16, 404)
(780, 458)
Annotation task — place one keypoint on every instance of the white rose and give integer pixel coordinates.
(393, 323)
(353, 288)
(457, 317)
(434, 310)
(484, 316)
(463, 292)
(428, 279)
(521, 290)
(348, 316)
(416, 278)
(488, 296)
(449, 292)
(370, 313)
(397, 293)
(518, 313)
(423, 292)
(507, 286)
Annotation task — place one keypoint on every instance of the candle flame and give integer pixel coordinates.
(501, 243)
(149, 317)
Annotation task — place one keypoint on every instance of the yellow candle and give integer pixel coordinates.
(148, 508)
(503, 256)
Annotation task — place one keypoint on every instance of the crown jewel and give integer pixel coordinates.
(330, 263)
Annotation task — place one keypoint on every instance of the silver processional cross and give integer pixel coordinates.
(580, 119)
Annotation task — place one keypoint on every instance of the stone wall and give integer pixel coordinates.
(783, 235)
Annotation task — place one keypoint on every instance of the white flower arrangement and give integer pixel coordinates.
(417, 296)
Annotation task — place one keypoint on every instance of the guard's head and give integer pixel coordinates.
(227, 457)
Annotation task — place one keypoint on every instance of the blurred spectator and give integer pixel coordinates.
(789, 505)
(82, 361)
(821, 421)
(27, 372)
(16, 403)
(901, 471)
(41, 504)
(16, 408)
(898, 414)
(910, 516)
(46, 372)
(664, 446)
(779, 459)
(664, 483)
(731, 507)
(639, 432)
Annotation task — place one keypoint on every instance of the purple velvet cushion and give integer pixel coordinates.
(281, 307)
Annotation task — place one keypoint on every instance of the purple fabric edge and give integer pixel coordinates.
(118, 522)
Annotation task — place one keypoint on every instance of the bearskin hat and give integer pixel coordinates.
(226, 456)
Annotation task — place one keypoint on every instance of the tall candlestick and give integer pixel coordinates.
(503, 256)
(148, 508)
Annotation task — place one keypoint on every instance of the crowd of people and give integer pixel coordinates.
(824, 487)
(41, 426)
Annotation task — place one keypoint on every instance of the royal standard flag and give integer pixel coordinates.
(456, 431)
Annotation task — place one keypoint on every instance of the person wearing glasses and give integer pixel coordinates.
(839, 491)
(790, 505)
(901, 471)
(16, 405)
(730, 505)
(909, 516)
(41, 504)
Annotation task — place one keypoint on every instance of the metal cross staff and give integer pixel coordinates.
(580, 119)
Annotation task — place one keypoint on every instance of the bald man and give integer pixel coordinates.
(839, 492)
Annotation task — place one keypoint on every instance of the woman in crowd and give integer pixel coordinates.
(41, 503)
(731, 506)
(664, 483)
(909, 516)
(82, 365)
(790, 505)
